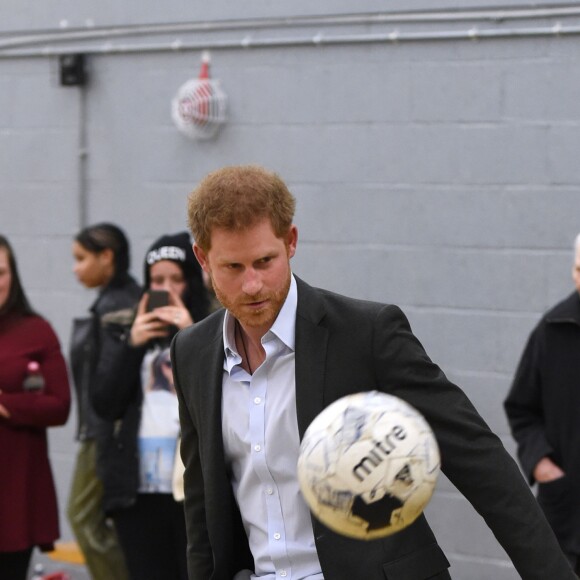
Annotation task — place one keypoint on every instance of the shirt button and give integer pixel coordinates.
(269, 491)
(283, 573)
(257, 401)
(277, 536)
(257, 448)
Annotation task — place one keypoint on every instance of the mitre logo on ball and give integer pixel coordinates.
(368, 465)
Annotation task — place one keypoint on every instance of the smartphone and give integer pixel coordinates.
(157, 298)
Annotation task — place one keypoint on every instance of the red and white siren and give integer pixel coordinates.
(199, 109)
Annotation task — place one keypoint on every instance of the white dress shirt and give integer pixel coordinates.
(261, 441)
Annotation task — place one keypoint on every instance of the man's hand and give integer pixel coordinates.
(546, 470)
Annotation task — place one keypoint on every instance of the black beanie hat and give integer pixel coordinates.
(177, 248)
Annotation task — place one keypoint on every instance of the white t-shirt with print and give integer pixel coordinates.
(159, 423)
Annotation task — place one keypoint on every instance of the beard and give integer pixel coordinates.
(263, 317)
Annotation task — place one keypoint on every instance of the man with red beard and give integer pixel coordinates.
(251, 377)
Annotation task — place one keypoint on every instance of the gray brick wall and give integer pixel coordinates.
(440, 176)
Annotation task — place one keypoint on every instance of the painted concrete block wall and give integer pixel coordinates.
(26, 16)
(440, 176)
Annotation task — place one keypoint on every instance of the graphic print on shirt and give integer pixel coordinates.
(159, 423)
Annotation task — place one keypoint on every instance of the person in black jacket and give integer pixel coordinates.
(543, 409)
(134, 390)
(251, 378)
(101, 256)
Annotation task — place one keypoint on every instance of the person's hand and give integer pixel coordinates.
(4, 412)
(146, 325)
(176, 313)
(546, 470)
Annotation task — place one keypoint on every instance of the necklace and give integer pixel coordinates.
(241, 335)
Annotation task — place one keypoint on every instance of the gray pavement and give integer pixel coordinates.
(50, 566)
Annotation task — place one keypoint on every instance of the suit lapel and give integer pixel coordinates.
(210, 378)
(311, 347)
(215, 378)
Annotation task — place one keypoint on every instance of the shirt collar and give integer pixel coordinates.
(284, 327)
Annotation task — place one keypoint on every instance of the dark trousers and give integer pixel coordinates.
(153, 539)
(14, 565)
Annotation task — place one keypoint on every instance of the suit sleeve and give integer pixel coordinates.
(199, 552)
(523, 407)
(473, 458)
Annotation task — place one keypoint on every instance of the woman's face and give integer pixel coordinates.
(167, 275)
(5, 277)
(92, 269)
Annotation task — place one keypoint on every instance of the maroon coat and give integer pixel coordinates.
(28, 508)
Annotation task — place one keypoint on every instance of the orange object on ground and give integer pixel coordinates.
(66, 552)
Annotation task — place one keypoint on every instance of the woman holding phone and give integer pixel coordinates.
(135, 391)
(34, 395)
(101, 262)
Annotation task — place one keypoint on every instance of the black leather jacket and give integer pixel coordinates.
(115, 306)
(85, 350)
(117, 397)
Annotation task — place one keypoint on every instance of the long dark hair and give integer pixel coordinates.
(107, 236)
(17, 302)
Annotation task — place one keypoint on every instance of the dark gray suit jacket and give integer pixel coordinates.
(344, 346)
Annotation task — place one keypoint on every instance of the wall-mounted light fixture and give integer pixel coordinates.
(72, 70)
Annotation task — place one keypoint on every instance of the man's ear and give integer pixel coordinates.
(201, 257)
(292, 240)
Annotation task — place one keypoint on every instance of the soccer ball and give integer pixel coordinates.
(368, 465)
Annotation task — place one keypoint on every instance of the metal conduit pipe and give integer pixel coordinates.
(492, 15)
(319, 39)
